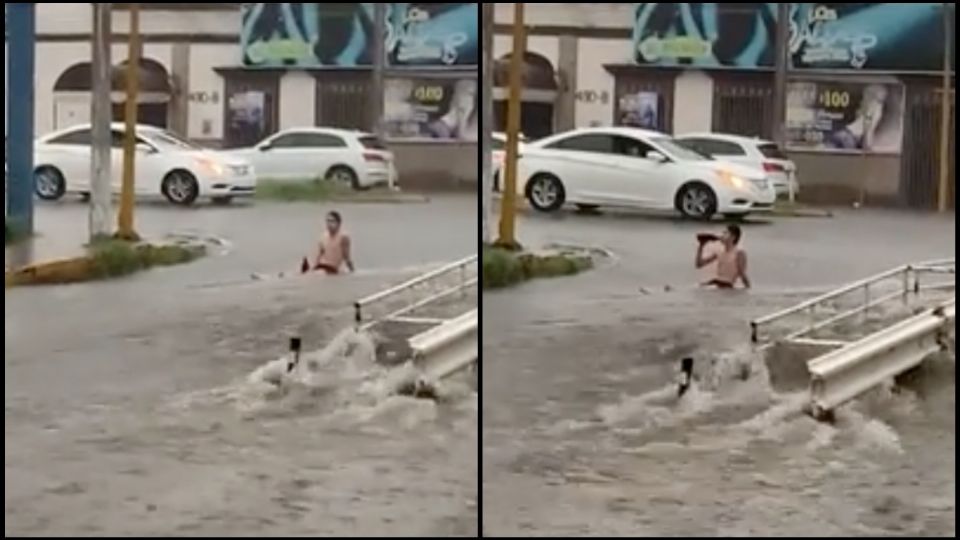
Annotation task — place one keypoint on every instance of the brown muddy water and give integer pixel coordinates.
(584, 436)
(148, 414)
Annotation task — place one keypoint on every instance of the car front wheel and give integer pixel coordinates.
(546, 193)
(50, 184)
(180, 188)
(697, 200)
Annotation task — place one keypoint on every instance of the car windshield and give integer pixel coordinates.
(169, 140)
(678, 151)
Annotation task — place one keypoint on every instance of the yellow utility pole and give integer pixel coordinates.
(508, 210)
(125, 217)
(946, 106)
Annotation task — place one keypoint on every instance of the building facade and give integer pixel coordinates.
(230, 74)
(864, 94)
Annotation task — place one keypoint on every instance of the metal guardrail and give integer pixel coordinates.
(460, 269)
(843, 374)
(910, 281)
(447, 349)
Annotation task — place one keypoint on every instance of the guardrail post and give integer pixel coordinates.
(357, 313)
(906, 284)
(866, 303)
(754, 338)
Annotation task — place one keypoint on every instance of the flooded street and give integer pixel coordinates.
(583, 433)
(132, 407)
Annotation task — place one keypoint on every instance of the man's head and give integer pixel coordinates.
(334, 221)
(731, 236)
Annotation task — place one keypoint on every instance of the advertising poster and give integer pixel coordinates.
(640, 110)
(845, 117)
(434, 35)
(246, 121)
(340, 34)
(438, 109)
(902, 37)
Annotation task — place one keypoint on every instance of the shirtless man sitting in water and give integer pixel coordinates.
(335, 248)
(731, 262)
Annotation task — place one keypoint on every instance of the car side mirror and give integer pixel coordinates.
(266, 147)
(145, 148)
(657, 157)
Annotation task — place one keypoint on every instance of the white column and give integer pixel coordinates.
(298, 100)
(693, 103)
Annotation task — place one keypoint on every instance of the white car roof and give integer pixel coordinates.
(325, 131)
(114, 125)
(741, 139)
(616, 130)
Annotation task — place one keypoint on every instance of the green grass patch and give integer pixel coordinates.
(116, 258)
(307, 190)
(502, 268)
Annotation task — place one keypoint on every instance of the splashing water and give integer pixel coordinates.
(342, 381)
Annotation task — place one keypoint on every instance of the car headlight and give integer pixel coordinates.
(732, 180)
(211, 167)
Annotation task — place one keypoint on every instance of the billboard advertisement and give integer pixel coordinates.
(339, 35)
(895, 37)
(431, 108)
(849, 117)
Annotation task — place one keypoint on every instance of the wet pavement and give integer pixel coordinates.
(131, 409)
(583, 433)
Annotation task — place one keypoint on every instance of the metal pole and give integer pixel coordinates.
(508, 212)
(486, 185)
(125, 221)
(946, 103)
(379, 67)
(21, 32)
(780, 81)
(101, 203)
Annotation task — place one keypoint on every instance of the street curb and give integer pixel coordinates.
(801, 213)
(380, 199)
(73, 270)
(57, 272)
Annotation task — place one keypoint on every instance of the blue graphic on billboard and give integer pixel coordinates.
(895, 37)
(340, 35)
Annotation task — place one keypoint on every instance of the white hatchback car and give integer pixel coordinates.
(756, 153)
(354, 158)
(166, 165)
(628, 167)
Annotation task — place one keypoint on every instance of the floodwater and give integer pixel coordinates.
(584, 434)
(144, 407)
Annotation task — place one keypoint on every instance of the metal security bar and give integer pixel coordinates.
(906, 280)
(463, 273)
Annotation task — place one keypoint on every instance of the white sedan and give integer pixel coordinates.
(353, 158)
(635, 168)
(755, 153)
(165, 165)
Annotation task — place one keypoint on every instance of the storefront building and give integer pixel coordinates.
(230, 74)
(863, 100)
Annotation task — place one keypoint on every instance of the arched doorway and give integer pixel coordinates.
(540, 92)
(153, 100)
(71, 94)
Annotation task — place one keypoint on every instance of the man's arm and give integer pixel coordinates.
(347, 257)
(702, 261)
(742, 264)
